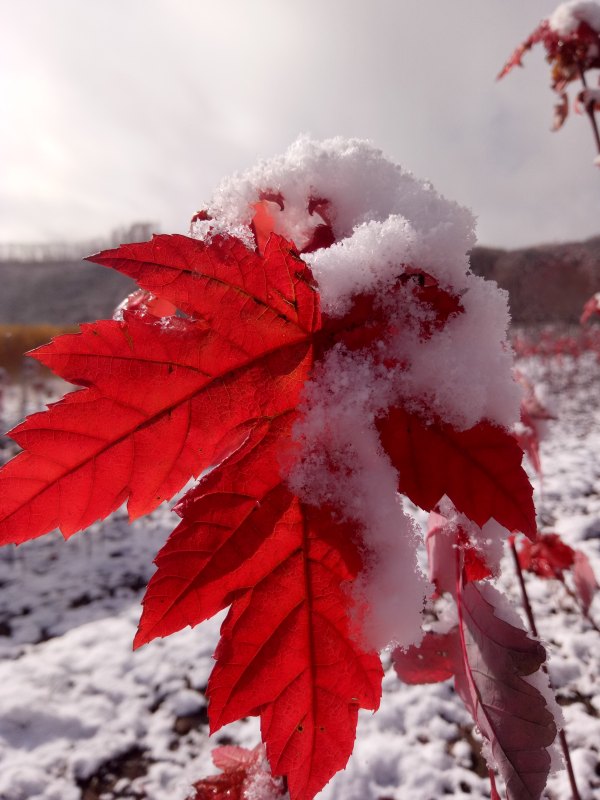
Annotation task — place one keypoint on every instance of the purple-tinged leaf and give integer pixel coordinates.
(510, 711)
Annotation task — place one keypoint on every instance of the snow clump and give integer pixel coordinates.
(568, 16)
(383, 220)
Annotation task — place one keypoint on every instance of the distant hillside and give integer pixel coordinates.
(548, 283)
(59, 292)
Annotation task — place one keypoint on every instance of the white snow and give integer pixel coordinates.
(79, 709)
(568, 16)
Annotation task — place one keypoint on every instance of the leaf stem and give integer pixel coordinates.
(589, 108)
(531, 619)
(577, 602)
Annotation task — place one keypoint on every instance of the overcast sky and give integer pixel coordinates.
(114, 111)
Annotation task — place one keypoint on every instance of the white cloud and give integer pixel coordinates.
(135, 109)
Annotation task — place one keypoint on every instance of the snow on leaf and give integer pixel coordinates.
(478, 469)
(144, 302)
(443, 540)
(216, 389)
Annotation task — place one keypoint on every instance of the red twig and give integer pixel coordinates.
(589, 108)
(531, 619)
(578, 603)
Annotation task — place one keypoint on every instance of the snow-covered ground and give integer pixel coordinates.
(82, 717)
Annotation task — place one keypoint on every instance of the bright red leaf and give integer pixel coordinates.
(192, 388)
(286, 650)
(479, 469)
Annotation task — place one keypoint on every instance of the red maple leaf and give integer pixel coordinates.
(187, 390)
(479, 469)
(549, 557)
(248, 542)
(217, 390)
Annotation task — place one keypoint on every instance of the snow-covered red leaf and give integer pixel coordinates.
(508, 708)
(367, 320)
(206, 371)
(569, 52)
(479, 469)
(586, 583)
(286, 650)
